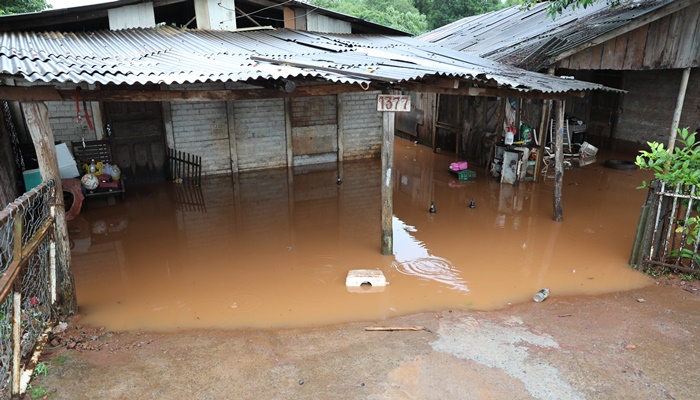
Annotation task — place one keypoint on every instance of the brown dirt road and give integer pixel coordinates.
(613, 346)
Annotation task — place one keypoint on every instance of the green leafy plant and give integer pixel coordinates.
(681, 166)
(37, 392)
(42, 369)
(686, 277)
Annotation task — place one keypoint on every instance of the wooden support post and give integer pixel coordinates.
(340, 103)
(168, 124)
(288, 132)
(679, 108)
(37, 117)
(387, 187)
(436, 116)
(542, 137)
(231, 131)
(558, 160)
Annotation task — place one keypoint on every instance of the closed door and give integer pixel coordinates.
(138, 141)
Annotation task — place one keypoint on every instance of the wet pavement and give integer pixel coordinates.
(271, 249)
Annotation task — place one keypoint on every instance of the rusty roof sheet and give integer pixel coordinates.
(528, 38)
(169, 55)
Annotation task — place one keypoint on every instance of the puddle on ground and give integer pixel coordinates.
(272, 248)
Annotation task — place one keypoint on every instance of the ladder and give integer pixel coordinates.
(566, 136)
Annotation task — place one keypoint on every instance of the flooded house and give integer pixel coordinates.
(292, 177)
(650, 49)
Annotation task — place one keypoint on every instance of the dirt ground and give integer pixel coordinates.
(641, 344)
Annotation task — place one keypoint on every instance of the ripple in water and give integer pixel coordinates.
(412, 258)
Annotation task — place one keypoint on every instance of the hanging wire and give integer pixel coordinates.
(248, 15)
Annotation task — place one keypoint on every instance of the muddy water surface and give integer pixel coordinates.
(273, 248)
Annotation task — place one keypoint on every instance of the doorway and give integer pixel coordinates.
(137, 140)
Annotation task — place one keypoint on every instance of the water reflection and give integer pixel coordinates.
(273, 248)
(412, 258)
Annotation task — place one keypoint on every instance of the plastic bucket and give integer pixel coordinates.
(32, 179)
(588, 150)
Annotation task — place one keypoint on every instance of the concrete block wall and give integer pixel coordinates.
(261, 139)
(362, 125)
(64, 120)
(201, 128)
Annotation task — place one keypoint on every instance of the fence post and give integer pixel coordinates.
(17, 310)
(53, 234)
(641, 238)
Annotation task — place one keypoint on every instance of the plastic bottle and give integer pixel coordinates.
(93, 167)
(510, 136)
(541, 295)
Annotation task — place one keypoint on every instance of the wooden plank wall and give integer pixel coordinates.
(668, 43)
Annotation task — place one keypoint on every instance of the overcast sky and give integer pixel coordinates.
(74, 3)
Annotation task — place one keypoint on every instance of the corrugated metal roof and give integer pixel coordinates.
(527, 38)
(169, 55)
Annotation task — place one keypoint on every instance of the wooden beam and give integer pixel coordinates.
(46, 93)
(31, 93)
(679, 108)
(37, 117)
(636, 23)
(488, 92)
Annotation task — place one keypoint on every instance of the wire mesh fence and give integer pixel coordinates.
(27, 284)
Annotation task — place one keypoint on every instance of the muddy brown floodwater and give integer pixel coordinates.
(272, 248)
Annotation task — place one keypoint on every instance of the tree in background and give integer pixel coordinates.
(22, 6)
(442, 12)
(399, 14)
(556, 7)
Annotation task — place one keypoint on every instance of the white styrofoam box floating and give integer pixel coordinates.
(357, 277)
(365, 289)
(66, 164)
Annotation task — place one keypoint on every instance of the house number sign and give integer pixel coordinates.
(394, 102)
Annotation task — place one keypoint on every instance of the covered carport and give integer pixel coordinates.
(198, 68)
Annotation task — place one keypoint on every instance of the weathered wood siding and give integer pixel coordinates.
(646, 110)
(668, 43)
